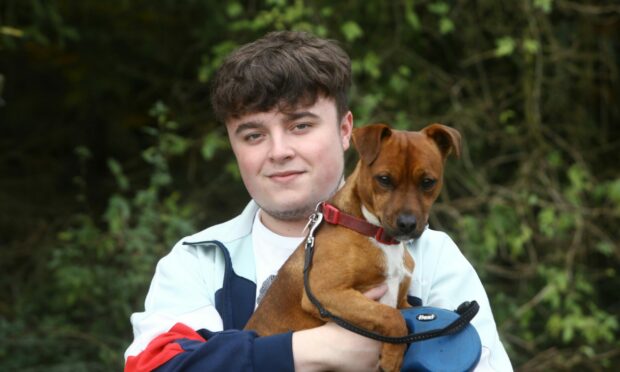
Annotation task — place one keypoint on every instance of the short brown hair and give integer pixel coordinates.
(282, 69)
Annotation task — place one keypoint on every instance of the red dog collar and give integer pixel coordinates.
(333, 215)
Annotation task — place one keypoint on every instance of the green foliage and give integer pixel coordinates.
(505, 46)
(544, 5)
(351, 31)
(99, 266)
(534, 202)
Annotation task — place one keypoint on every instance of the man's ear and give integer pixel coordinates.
(367, 141)
(346, 130)
(447, 139)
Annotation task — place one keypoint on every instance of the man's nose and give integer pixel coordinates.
(281, 148)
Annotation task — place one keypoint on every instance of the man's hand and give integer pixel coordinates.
(331, 347)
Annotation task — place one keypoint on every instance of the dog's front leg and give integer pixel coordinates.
(403, 290)
(354, 307)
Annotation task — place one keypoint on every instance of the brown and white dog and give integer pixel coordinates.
(395, 183)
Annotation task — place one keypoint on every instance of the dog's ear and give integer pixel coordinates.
(367, 141)
(447, 139)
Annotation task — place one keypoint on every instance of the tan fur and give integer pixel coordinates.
(346, 264)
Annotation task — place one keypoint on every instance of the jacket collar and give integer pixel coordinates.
(229, 231)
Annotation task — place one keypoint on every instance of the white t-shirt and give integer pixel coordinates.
(270, 252)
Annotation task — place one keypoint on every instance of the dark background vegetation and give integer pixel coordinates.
(109, 153)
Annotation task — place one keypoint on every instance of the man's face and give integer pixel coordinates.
(289, 161)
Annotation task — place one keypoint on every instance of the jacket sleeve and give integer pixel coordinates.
(445, 279)
(181, 330)
(183, 349)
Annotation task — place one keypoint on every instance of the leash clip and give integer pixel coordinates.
(313, 223)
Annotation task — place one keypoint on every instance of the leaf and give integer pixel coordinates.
(506, 115)
(505, 46)
(117, 214)
(351, 31)
(234, 9)
(546, 219)
(614, 191)
(446, 25)
(233, 169)
(530, 46)
(411, 16)
(439, 8)
(554, 159)
(606, 248)
(173, 144)
(11, 31)
(117, 170)
(276, 3)
(545, 5)
(158, 109)
(371, 65)
(83, 152)
(211, 143)
(398, 83)
(578, 177)
(413, 20)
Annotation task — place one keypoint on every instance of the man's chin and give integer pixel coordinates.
(291, 206)
(289, 213)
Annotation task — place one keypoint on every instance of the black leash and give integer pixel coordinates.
(467, 310)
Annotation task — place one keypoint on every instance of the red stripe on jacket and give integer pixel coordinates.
(161, 349)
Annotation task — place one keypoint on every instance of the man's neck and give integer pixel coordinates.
(290, 228)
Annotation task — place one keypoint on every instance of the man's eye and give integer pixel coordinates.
(252, 137)
(301, 126)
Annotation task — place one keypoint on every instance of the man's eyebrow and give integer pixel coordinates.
(300, 114)
(248, 125)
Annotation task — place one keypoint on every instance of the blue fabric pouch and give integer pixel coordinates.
(456, 351)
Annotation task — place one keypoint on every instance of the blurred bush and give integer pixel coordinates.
(111, 154)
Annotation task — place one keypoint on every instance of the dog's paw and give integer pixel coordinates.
(392, 357)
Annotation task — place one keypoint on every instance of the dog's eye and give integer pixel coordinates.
(428, 184)
(384, 180)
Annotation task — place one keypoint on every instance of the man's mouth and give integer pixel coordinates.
(284, 176)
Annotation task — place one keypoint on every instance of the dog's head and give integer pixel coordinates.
(401, 174)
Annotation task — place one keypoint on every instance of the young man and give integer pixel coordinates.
(283, 99)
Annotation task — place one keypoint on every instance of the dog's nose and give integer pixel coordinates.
(406, 223)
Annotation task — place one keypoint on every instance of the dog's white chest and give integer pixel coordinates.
(395, 271)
